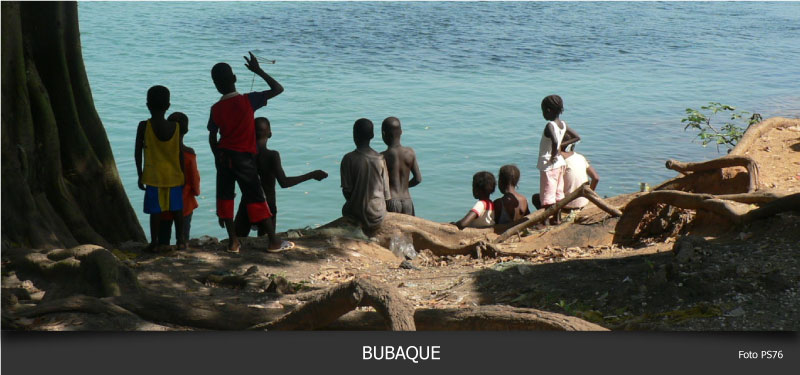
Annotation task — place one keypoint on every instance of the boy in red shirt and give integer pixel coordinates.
(191, 187)
(233, 117)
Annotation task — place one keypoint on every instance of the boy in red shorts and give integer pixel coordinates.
(233, 118)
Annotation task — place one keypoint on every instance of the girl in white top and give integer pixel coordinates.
(551, 164)
(482, 213)
(577, 172)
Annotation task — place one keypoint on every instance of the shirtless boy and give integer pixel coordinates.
(401, 162)
(270, 170)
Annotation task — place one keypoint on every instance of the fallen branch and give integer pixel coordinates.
(539, 216)
(328, 306)
(717, 164)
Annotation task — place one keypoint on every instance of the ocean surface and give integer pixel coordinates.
(465, 79)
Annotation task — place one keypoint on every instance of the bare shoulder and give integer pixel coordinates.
(409, 153)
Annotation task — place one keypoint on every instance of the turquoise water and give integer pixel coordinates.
(465, 79)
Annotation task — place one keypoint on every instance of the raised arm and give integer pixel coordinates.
(137, 156)
(275, 88)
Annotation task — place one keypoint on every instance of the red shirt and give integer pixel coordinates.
(234, 117)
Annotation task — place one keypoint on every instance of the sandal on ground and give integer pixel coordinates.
(285, 245)
(234, 250)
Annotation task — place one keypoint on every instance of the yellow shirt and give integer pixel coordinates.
(162, 163)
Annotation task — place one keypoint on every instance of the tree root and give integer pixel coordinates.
(337, 301)
(542, 215)
(719, 163)
(726, 206)
(478, 318)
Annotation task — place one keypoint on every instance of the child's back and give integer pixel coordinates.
(162, 164)
(365, 179)
(401, 162)
(512, 205)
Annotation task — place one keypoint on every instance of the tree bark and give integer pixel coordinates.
(60, 184)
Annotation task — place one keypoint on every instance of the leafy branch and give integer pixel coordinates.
(727, 133)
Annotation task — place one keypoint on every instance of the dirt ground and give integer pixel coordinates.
(745, 279)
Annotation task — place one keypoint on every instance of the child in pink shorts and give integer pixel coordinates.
(551, 164)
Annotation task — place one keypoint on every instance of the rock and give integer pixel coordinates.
(737, 312)
(685, 249)
(204, 241)
(8, 299)
(407, 265)
(293, 234)
(280, 285)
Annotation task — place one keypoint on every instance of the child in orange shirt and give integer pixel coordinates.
(191, 189)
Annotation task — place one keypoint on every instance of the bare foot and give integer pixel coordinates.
(234, 247)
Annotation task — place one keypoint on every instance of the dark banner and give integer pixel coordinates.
(421, 352)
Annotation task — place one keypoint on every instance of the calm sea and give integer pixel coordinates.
(465, 79)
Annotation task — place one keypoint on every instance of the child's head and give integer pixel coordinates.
(483, 185)
(224, 79)
(181, 119)
(263, 128)
(507, 177)
(552, 106)
(391, 130)
(362, 131)
(158, 99)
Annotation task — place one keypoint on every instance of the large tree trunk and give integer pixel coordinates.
(60, 185)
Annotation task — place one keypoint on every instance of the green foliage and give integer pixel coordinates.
(728, 132)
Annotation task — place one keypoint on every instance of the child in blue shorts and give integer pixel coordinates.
(162, 176)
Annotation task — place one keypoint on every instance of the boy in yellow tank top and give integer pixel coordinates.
(162, 177)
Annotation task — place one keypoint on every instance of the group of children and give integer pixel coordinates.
(561, 171)
(372, 183)
(239, 143)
